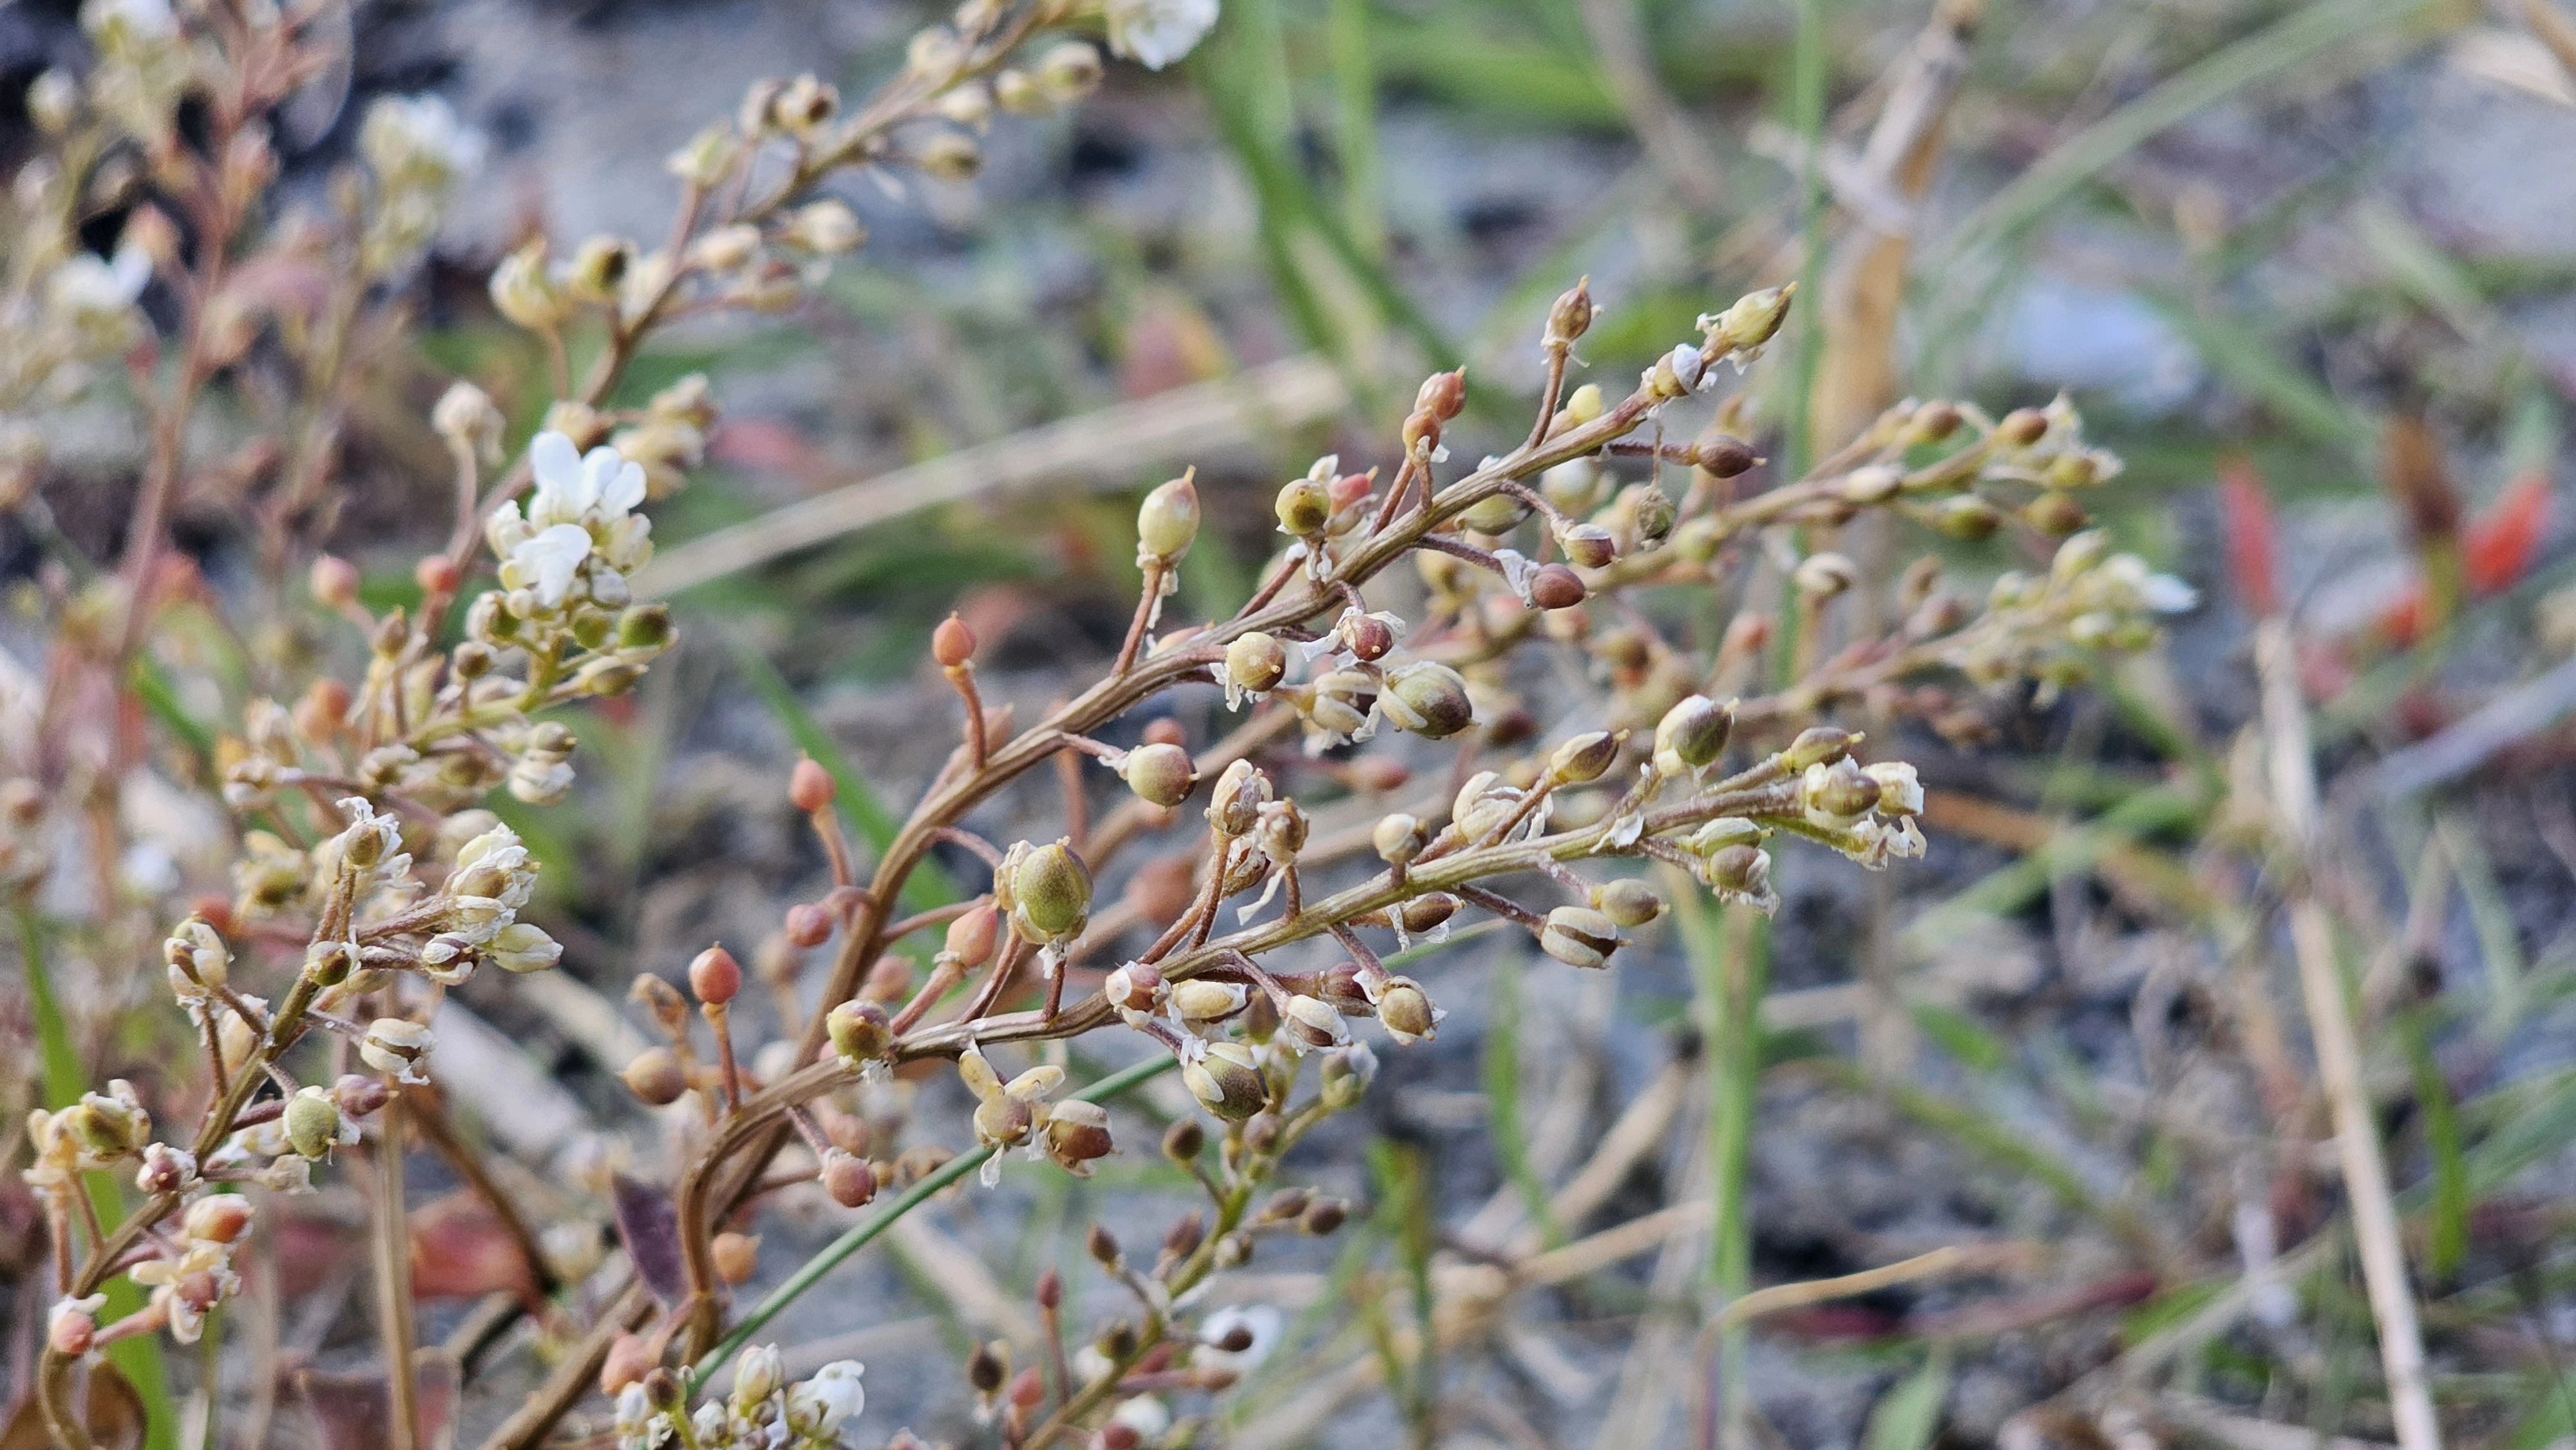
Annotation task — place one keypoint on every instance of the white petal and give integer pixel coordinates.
(552, 558)
(557, 466)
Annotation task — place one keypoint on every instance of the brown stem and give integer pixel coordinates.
(393, 1277)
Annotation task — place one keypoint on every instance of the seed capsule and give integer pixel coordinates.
(1555, 586)
(850, 1179)
(1693, 734)
(860, 1031)
(1077, 1134)
(1255, 663)
(1579, 936)
(1588, 546)
(1628, 901)
(1428, 699)
(810, 787)
(1052, 889)
(1167, 523)
(1160, 774)
(715, 977)
(1304, 507)
(656, 1077)
(1399, 838)
(1234, 807)
(1407, 1011)
(1226, 1081)
(1569, 317)
(312, 1123)
(1582, 759)
(736, 1255)
(972, 937)
(952, 643)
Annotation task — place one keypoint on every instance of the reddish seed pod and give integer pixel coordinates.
(971, 937)
(810, 786)
(1103, 1245)
(436, 574)
(1725, 455)
(1348, 489)
(851, 1180)
(656, 1077)
(715, 977)
(808, 925)
(1118, 1435)
(1555, 586)
(890, 980)
(952, 643)
(1028, 1388)
(335, 581)
(736, 1256)
(1443, 395)
(1050, 1290)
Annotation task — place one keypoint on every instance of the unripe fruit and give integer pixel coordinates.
(1579, 936)
(1255, 662)
(736, 1256)
(1160, 774)
(1555, 586)
(656, 1077)
(1582, 759)
(808, 925)
(1167, 523)
(1406, 1011)
(715, 977)
(1304, 507)
(1053, 891)
(972, 937)
(1428, 699)
(810, 786)
(860, 1031)
(1693, 734)
(1628, 902)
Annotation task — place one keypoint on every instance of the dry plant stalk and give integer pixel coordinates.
(369, 878)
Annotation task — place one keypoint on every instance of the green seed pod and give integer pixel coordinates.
(1740, 870)
(1967, 517)
(860, 1031)
(1817, 745)
(1840, 791)
(312, 1123)
(1304, 507)
(1628, 902)
(645, 626)
(1582, 759)
(1428, 699)
(1226, 1081)
(1755, 317)
(1255, 662)
(1497, 513)
(1167, 523)
(1693, 734)
(1053, 891)
(1160, 774)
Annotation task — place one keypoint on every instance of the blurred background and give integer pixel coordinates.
(2305, 266)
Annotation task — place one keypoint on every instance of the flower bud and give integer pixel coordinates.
(1569, 317)
(1628, 902)
(73, 1328)
(1579, 936)
(1677, 374)
(1588, 546)
(1167, 523)
(2055, 515)
(1822, 576)
(1160, 774)
(627, 1363)
(1582, 759)
(736, 1256)
(2022, 427)
(334, 581)
(1967, 517)
(166, 1169)
(1740, 870)
(715, 977)
(1817, 745)
(394, 1045)
(220, 1218)
(1399, 838)
(860, 1032)
(850, 1179)
(1367, 636)
(1255, 663)
(827, 228)
(656, 1077)
(1135, 987)
(1443, 395)
(1839, 793)
(1754, 317)
(950, 156)
(1312, 1023)
(1182, 1143)
(1693, 734)
(1225, 1080)
(972, 937)
(1900, 793)
(1069, 71)
(1323, 1217)
(1304, 507)
(1200, 1000)
(1428, 699)
(1495, 514)
(952, 643)
(521, 292)
(1724, 455)
(1052, 893)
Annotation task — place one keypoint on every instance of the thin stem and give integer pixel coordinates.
(393, 1277)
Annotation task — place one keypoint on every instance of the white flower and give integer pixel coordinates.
(820, 1405)
(638, 1427)
(2166, 594)
(138, 18)
(419, 135)
(397, 1046)
(756, 1377)
(1145, 1415)
(547, 562)
(89, 285)
(1155, 33)
(573, 486)
(1900, 792)
(520, 947)
(512, 877)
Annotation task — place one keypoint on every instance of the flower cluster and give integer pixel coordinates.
(762, 1412)
(417, 155)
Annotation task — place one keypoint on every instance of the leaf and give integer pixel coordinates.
(114, 1416)
(2253, 547)
(1908, 1416)
(650, 1228)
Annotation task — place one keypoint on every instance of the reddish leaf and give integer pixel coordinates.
(2251, 550)
(459, 1250)
(2502, 542)
(650, 1229)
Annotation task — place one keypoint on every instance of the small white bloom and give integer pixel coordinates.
(1900, 792)
(821, 1405)
(547, 562)
(89, 285)
(601, 485)
(1262, 1322)
(1155, 33)
(142, 19)
(419, 135)
(397, 1046)
(756, 1377)
(2166, 594)
(1146, 1415)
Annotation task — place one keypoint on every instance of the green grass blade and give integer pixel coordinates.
(1909, 1415)
(65, 1080)
(1503, 1097)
